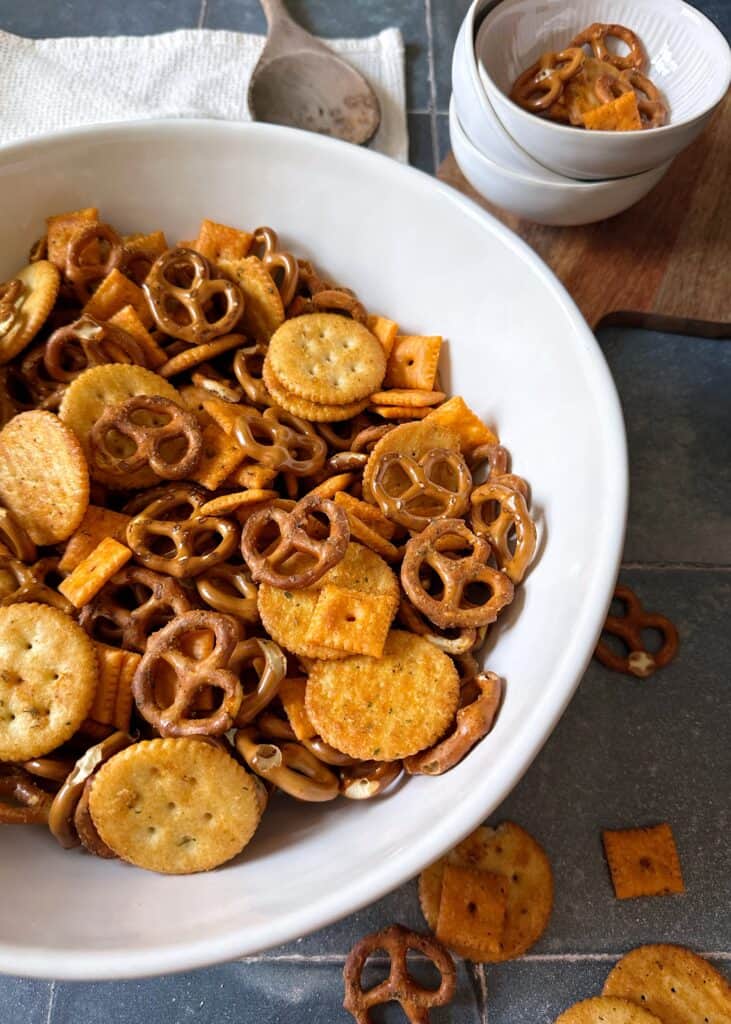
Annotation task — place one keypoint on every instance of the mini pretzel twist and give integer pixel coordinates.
(480, 702)
(414, 493)
(628, 627)
(280, 441)
(511, 532)
(229, 589)
(14, 537)
(322, 295)
(155, 600)
(189, 536)
(653, 110)
(85, 828)
(180, 288)
(84, 270)
(11, 299)
(207, 377)
(247, 366)
(170, 448)
(50, 768)
(342, 436)
(462, 643)
(294, 539)
(399, 986)
(540, 85)
(22, 800)
(596, 36)
(61, 815)
(367, 779)
(166, 652)
(288, 766)
(266, 660)
(29, 588)
(87, 342)
(43, 390)
(453, 607)
(272, 727)
(275, 259)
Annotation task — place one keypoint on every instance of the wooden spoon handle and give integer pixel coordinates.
(275, 12)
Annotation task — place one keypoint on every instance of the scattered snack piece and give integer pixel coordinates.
(97, 524)
(456, 415)
(607, 1010)
(174, 805)
(472, 910)
(221, 242)
(326, 358)
(114, 293)
(48, 677)
(674, 983)
(413, 361)
(620, 115)
(386, 708)
(412, 440)
(44, 479)
(407, 398)
(25, 303)
(95, 390)
(128, 320)
(90, 575)
(286, 614)
(317, 412)
(385, 330)
(61, 227)
(351, 621)
(399, 986)
(643, 861)
(292, 696)
(508, 851)
(220, 456)
(263, 307)
(628, 628)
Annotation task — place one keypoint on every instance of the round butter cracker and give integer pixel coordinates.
(176, 806)
(48, 677)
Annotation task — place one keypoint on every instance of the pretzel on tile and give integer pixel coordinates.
(628, 628)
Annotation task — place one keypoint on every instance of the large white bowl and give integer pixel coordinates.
(561, 202)
(519, 351)
(689, 61)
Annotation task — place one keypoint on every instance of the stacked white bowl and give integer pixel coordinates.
(554, 173)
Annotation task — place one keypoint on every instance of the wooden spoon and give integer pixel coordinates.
(299, 82)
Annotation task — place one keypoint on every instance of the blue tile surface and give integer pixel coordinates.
(41, 19)
(627, 752)
(23, 1001)
(678, 420)
(239, 993)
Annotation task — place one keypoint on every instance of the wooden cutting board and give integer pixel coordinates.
(665, 263)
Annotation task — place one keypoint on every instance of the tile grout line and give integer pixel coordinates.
(51, 1002)
(339, 958)
(203, 13)
(431, 69)
(479, 985)
(683, 566)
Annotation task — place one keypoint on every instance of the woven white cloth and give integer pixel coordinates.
(60, 83)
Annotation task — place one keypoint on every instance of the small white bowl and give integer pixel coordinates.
(689, 61)
(560, 203)
(475, 113)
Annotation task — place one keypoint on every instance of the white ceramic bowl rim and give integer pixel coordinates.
(188, 953)
(611, 137)
(545, 184)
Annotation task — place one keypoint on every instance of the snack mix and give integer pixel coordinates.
(595, 88)
(243, 546)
